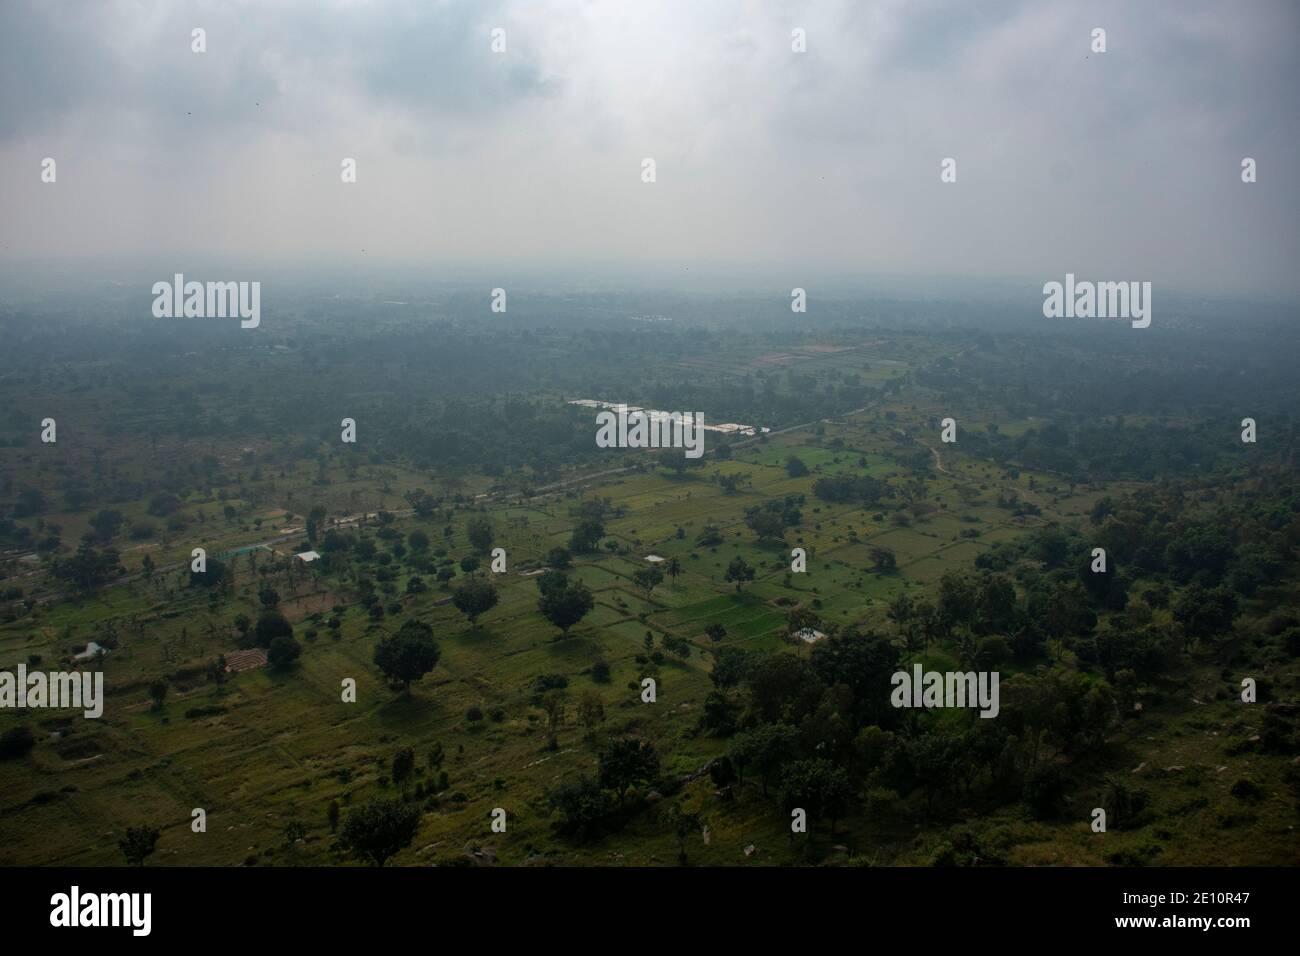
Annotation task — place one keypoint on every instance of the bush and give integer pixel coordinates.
(195, 713)
(16, 742)
(270, 625)
(722, 772)
(403, 764)
(1245, 789)
(138, 844)
(1124, 805)
(283, 652)
(1140, 854)
(1044, 791)
(379, 829)
(583, 808)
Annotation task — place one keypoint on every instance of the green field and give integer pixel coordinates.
(265, 752)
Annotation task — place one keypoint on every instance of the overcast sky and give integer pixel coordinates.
(1124, 165)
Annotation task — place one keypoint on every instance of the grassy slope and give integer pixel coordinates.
(285, 743)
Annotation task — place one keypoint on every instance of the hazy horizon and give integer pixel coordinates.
(794, 167)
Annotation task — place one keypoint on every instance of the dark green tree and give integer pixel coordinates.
(627, 762)
(480, 532)
(647, 579)
(586, 536)
(476, 596)
(817, 786)
(564, 603)
(270, 625)
(138, 844)
(408, 655)
(284, 650)
(739, 571)
(376, 831)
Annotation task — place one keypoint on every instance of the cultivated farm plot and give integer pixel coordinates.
(930, 569)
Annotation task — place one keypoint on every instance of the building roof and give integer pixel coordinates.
(307, 556)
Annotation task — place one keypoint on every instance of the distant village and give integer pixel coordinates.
(726, 428)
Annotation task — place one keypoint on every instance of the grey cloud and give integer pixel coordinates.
(1127, 161)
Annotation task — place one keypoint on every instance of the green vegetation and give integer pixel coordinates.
(523, 690)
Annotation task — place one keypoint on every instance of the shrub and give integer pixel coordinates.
(16, 742)
(1245, 789)
(283, 652)
(1044, 791)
